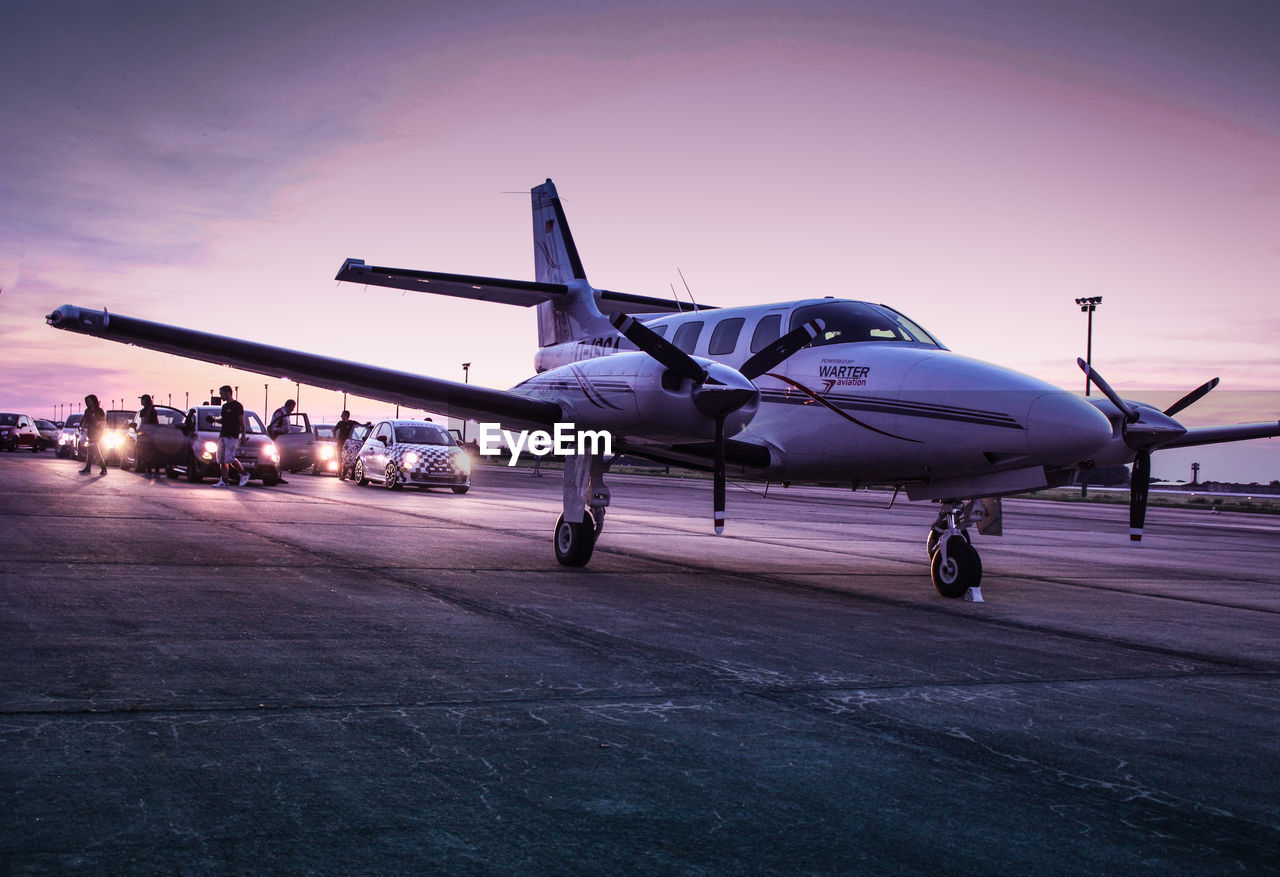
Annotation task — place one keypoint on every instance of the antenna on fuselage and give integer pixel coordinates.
(687, 289)
(674, 295)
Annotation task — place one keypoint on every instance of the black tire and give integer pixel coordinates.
(195, 469)
(574, 543)
(171, 473)
(461, 488)
(270, 477)
(391, 477)
(358, 474)
(962, 571)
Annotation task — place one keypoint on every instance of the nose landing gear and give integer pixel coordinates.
(954, 564)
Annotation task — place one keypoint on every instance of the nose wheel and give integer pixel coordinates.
(954, 564)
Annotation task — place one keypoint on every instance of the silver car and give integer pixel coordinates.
(417, 453)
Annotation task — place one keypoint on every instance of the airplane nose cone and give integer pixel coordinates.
(1063, 429)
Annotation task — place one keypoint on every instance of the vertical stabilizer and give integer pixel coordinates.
(555, 257)
(556, 260)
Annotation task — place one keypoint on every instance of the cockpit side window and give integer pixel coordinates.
(686, 337)
(768, 330)
(851, 321)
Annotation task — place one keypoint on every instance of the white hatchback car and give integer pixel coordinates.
(417, 453)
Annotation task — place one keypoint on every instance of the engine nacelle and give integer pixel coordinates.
(633, 394)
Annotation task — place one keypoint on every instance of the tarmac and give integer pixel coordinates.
(326, 679)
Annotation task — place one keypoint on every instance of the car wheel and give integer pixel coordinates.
(270, 478)
(461, 488)
(359, 474)
(391, 477)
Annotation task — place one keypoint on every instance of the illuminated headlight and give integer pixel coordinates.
(326, 452)
(462, 462)
(410, 460)
(210, 449)
(269, 449)
(112, 440)
(332, 465)
(63, 439)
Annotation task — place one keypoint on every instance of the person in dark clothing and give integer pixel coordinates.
(143, 453)
(342, 431)
(94, 423)
(230, 435)
(279, 424)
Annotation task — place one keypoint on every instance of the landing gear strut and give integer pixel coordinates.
(585, 498)
(954, 564)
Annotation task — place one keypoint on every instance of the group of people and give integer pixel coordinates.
(232, 428)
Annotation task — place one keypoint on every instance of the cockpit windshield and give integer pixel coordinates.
(850, 321)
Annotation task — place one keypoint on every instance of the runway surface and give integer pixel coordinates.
(323, 678)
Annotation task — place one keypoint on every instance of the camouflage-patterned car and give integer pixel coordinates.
(417, 453)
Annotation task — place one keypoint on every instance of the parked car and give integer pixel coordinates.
(417, 453)
(68, 436)
(18, 431)
(113, 434)
(307, 447)
(196, 455)
(48, 434)
(163, 440)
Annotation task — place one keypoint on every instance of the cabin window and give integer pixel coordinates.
(768, 330)
(686, 337)
(725, 338)
(660, 331)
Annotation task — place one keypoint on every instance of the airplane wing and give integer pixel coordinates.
(402, 388)
(1210, 435)
(524, 293)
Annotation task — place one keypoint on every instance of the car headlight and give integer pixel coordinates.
(210, 449)
(410, 460)
(325, 452)
(269, 449)
(462, 462)
(112, 440)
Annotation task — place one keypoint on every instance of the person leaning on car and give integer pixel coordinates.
(279, 424)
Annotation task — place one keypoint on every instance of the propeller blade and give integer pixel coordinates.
(781, 349)
(1139, 483)
(718, 512)
(659, 348)
(1191, 398)
(1131, 414)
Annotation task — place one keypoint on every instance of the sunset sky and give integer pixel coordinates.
(977, 165)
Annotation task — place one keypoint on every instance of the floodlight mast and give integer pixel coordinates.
(1088, 306)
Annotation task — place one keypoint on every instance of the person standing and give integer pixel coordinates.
(342, 432)
(94, 423)
(231, 433)
(143, 453)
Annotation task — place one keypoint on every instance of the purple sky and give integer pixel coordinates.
(976, 164)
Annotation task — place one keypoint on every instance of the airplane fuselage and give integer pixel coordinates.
(875, 399)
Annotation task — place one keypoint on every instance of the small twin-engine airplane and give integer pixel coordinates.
(820, 389)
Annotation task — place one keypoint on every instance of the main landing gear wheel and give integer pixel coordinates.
(575, 542)
(391, 477)
(960, 571)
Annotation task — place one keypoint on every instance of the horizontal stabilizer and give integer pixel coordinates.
(524, 293)
(400, 388)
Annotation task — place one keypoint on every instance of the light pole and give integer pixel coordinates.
(1088, 306)
(466, 379)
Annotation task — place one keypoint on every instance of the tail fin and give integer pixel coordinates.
(556, 260)
(555, 257)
